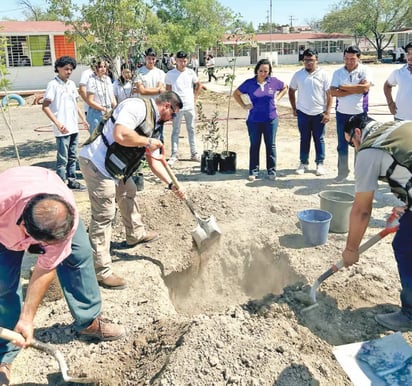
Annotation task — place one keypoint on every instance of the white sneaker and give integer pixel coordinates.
(302, 168)
(195, 157)
(320, 170)
(172, 160)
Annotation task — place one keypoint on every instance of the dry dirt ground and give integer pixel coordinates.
(233, 313)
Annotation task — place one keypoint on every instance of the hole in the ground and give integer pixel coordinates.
(234, 275)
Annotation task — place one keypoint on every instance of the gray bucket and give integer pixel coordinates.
(315, 225)
(340, 205)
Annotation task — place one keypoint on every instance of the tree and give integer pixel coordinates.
(106, 28)
(192, 24)
(373, 19)
(36, 12)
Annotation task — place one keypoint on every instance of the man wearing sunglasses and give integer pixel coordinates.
(383, 154)
(47, 224)
(108, 160)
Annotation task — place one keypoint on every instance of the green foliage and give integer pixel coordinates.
(4, 82)
(373, 19)
(209, 129)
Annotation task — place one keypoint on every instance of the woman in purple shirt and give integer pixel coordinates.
(259, 95)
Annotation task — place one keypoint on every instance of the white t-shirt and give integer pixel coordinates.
(402, 77)
(182, 84)
(130, 113)
(63, 97)
(150, 78)
(312, 88)
(84, 78)
(102, 89)
(353, 103)
(123, 91)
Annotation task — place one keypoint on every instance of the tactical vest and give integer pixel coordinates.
(122, 161)
(395, 138)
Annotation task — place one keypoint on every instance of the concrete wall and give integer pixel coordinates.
(36, 78)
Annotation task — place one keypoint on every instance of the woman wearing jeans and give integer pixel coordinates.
(259, 95)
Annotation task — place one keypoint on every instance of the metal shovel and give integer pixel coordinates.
(390, 228)
(49, 349)
(207, 231)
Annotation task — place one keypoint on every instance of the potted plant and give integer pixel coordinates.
(211, 138)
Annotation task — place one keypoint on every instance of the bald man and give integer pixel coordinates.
(38, 214)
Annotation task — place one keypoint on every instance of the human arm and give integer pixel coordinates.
(387, 90)
(198, 88)
(281, 93)
(83, 92)
(358, 222)
(360, 88)
(238, 98)
(82, 119)
(38, 285)
(326, 113)
(292, 100)
(46, 109)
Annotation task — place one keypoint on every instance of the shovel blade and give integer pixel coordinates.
(206, 232)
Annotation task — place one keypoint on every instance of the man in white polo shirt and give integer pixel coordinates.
(350, 85)
(312, 109)
(401, 77)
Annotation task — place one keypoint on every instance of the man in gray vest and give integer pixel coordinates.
(384, 152)
(108, 160)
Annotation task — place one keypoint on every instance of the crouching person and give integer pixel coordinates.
(38, 214)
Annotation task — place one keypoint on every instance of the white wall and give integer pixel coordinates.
(36, 78)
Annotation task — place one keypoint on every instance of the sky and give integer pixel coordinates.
(295, 12)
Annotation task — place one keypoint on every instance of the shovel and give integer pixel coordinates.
(207, 231)
(390, 228)
(49, 349)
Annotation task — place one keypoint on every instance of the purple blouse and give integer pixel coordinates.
(263, 101)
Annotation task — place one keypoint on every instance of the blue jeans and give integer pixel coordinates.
(67, 156)
(268, 130)
(311, 126)
(77, 279)
(190, 127)
(402, 247)
(93, 118)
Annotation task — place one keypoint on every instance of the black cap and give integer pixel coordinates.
(150, 52)
(181, 54)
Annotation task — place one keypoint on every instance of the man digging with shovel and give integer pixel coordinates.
(384, 152)
(38, 214)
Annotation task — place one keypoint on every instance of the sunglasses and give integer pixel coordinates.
(36, 249)
(350, 142)
(173, 112)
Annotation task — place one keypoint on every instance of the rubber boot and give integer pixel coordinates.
(343, 168)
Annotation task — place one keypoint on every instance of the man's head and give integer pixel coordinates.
(408, 51)
(48, 218)
(168, 104)
(181, 60)
(150, 58)
(64, 66)
(351, 57)
(353, 129)
(310, 60)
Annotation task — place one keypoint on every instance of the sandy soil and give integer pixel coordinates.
(233, 313)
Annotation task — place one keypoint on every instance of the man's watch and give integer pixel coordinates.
(170, 185)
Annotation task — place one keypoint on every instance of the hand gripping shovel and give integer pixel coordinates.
(390, 228)
(207, 231)
(49, 349)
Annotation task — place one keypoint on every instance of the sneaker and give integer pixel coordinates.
(302, 168)
(5, 373)
(251, 178)
(113, 282)
(148, 238)
(172, 160)
(195, 157)
(272, 175)
(340, 179)
(396, 321)
(320, 169)
(76, 185)
(102, 329)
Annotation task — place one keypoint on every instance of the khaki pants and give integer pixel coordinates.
(103, 195)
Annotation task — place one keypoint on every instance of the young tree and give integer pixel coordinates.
(368, 19)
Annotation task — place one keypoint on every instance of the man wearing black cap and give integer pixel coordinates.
(150, 79)
(181, 80)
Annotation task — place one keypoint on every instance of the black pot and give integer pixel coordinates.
(227, 162)
(209, 162)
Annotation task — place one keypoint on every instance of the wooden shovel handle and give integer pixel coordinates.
(10, 335)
